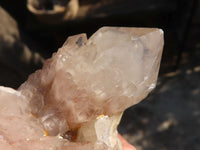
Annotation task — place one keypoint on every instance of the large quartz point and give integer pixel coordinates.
(76, 101)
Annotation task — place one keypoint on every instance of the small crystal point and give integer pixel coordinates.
(81, 91)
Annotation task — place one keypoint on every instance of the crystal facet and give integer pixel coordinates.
(76, 100)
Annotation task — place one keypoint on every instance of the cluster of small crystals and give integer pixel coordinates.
(82, 90)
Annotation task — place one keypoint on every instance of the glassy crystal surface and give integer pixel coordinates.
(76, 100)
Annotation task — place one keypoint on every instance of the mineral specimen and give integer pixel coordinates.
(76, 101)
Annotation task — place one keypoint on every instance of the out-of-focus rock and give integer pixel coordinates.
(77, 99)
(16, 59)
(53, 11)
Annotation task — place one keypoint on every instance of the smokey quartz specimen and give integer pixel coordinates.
(75, 102)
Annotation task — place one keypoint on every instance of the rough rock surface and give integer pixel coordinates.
(77, 99)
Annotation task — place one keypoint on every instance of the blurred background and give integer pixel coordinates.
(169, 118)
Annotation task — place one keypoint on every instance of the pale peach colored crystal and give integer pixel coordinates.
(76, 100)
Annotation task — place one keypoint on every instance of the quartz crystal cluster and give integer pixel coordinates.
(76, 100)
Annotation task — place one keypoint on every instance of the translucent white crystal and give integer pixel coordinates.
(78, 97)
